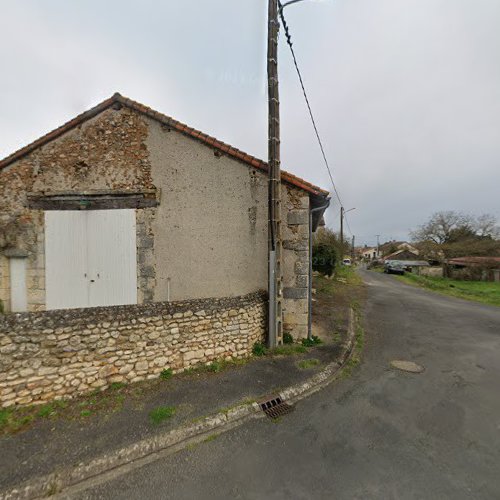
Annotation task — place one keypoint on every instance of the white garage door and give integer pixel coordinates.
(90, 258)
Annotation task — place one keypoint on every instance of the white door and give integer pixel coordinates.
(18, 296)
(90, 258)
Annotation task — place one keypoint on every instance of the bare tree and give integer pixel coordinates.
(441, 226)
(486, 226)
(454, 234)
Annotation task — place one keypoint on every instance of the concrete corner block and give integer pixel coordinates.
(296, 245)
(296, 217)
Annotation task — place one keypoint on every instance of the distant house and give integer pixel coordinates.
(403, 254)
(370, 253)
(395, 250)
(392, 247)
(473, 268)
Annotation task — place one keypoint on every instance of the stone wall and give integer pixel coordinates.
(295, 235)
(106, 154)
(60, 354)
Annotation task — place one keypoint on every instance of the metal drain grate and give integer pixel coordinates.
(275, 408)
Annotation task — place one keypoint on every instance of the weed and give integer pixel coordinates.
(336, 337)
(166, 374)
(5, 414)
(85, 413)
(259, 349)
(314, 340)
(215, 366)
(52, 489)
(287, 338)
(60, 404)
(359, 342)
(300, 349)
(161, 413)
(308, 363)
(46, 411)
(115, 386)
(287, 350)
(212, 437)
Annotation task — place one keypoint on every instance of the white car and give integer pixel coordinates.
(346, 262)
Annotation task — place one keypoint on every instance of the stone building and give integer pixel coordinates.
(125, 209)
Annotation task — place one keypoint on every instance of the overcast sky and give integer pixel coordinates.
(406, 93)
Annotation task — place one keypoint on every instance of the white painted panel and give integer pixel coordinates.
(66, 279)
(112, 261)
(18, 294)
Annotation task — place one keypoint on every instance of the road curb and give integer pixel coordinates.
(147, 449)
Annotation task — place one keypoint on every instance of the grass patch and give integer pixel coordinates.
(359, 343)
(216, 366)
(14, 419)
(287, 350)
(259, 349)
(116, 386)
(349, 274)
(308, 363)
(46, 411)
(479, 291)
(158, 415)
(166, 374)
(4, 417)
(332, 286)
(212, 437)
(314, 340)
(354, 361)
(20, 418)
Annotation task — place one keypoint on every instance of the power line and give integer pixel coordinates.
(347, 224)
(289, 41)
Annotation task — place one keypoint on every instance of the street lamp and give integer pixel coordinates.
(342, 214)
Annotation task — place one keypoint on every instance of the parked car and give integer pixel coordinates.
(393, 267)
(347, 262)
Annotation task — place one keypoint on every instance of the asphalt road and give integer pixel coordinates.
(381, 433)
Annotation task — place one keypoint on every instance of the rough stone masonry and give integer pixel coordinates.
(61, 354)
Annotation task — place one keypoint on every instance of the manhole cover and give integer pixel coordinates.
(275, 408)
(407, 366)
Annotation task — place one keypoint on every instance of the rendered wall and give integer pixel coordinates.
(211, 225)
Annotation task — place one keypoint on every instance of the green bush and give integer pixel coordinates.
(324, 258)
(287, 338)
(259, 349)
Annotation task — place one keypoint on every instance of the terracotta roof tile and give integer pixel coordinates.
(165, 120)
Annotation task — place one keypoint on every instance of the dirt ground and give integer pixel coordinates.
(331, 302)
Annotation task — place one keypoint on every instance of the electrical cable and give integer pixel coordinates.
(289, 41)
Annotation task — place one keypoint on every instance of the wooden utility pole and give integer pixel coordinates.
(275, 336)
(342, 231)
(352, 248)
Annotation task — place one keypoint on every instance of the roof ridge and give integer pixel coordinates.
(167, 120)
